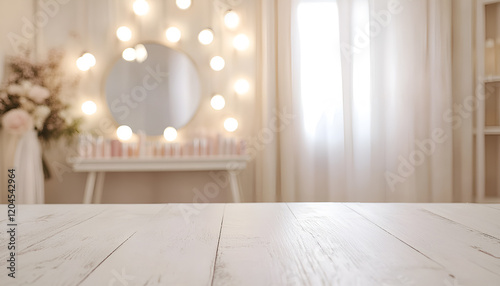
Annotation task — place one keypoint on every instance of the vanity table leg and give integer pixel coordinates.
(235, 190)
(98, 187)
(89, 188)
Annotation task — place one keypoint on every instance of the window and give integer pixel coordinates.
(320, 60)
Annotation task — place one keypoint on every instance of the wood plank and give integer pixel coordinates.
(69, 256)
(492, 130)
(362, 252)
(37, 223)
(260, 244)
(263, 244)
(473, 216)
(471, 256)
(494, 206)
(195, 163)
(492, 79)
(314, 244)
(169, 250)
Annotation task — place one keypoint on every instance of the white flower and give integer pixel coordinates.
(17, 121)
(38, 93)
(26, 84)
(40, 114)
(15, 89)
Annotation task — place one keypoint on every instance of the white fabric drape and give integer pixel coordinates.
(382, 136)
(29, 170)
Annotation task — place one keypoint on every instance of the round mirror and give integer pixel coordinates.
(152, 87)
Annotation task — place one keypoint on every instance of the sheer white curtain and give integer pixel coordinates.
(368, 83)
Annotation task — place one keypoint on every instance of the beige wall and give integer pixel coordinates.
(74, 29)
(77, 26)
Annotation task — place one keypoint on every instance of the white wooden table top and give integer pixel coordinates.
(255, 244)
(186, 163)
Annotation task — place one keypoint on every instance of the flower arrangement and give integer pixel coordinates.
(31, 98)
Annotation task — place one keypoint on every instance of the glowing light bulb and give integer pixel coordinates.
(241, 86)
(82, 64)
(218, 102)
(141, 7)
(173, 34)
(217, 63)
(206, 37)
(124, 132)
(183, 4)
(231, 19)
(85, 62)
(141, 54)
(90, 59)
(170, 133)
(129, 54)
(124, 34)
(89, 107)
(230, 124)
(241, 42)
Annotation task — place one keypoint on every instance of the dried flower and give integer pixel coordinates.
(15, 89)
(65, 116)
(27, 104)
(38, 94)
(17, 121)
(40, 114)
(38, 90)
(26, 84)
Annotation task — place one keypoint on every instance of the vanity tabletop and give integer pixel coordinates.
(251, 244)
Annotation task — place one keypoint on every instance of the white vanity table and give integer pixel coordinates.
(163, 90)
(97, 169)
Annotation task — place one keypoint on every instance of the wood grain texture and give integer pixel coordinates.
(477, 217)
(361, 252)
(263, 244)
(172, 249)
(38, 223)
(71, 254)
(472, 257)
(493, 206)
(256, 244)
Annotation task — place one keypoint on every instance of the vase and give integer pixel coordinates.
(29, 170)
